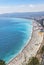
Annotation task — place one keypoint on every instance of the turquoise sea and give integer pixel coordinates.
(14, 34)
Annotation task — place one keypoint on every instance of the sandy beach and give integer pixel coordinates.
(31, 48)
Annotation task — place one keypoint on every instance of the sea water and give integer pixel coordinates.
(14, 33)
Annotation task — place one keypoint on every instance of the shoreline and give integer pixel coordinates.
(22, 47)
(29, 50)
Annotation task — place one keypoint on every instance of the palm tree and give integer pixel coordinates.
(2, 62)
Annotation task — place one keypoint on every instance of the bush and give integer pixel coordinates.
(33, 61)
(2, 62)
(42, 49)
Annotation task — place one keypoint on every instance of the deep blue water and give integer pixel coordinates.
(14, 34)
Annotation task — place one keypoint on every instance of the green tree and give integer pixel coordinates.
(42, 49)
(2, 62)
(33, 61)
